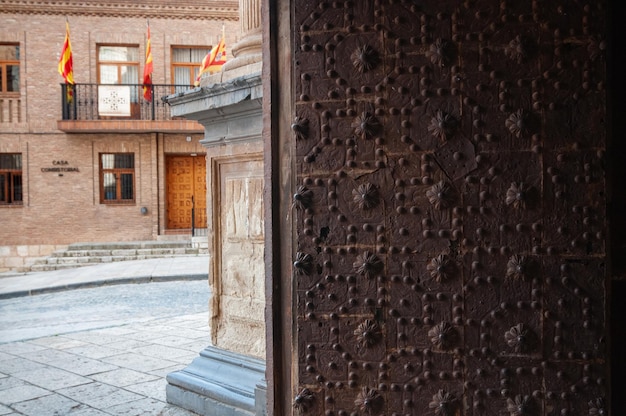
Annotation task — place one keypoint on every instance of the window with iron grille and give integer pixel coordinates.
(11, 179)
(9, 69)
(117, 178)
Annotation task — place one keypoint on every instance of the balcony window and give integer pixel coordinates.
(9, 69)
(11, 179)
(118, 64)
(117, 178)
(186, 62)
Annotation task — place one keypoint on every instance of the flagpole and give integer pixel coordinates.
(65, 65)
(151, 83)
(148, 68)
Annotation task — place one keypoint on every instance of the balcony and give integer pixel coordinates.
(98, 108)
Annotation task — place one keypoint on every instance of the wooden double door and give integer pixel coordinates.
(185, 191)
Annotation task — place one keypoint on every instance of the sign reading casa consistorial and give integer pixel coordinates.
(60, 166)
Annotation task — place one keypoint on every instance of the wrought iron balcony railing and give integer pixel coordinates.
(102, 102)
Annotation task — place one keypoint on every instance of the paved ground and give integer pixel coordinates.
(102, 350)
(151, 270)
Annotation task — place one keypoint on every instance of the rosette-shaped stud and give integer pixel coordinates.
(596, 48)
(439, 52)
(517, 267)
(365, 58)
(368, 333)
(518, 338)
(303, 197)
(303, 400)
(519, 49)
(300, 128)
(441, 268)
(517, 195)
(442, 125)
(369, 401)
(519, 406)
(366, 125)
(303, 264)
(368, 265)
(366, 196)
(517, 123)
(597, 408)
(443, 335)
(444, 404)
(440, 195)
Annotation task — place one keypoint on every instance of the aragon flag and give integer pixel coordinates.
(214, 60)
(147, 70)
(66, 64)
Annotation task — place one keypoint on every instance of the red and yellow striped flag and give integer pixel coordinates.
(214, 60)
(66, 64)
(220, 56)
(147, 70)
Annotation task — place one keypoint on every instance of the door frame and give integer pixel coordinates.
(279, 165)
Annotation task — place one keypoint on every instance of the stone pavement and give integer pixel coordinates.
(135, 271)
(115, 369)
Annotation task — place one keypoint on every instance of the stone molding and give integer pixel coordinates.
(220, 94)
(229, 111)
(219, 382)
(246, 52)
(194, 10)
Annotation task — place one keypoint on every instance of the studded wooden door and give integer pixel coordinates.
(186, 188)
(450, 207)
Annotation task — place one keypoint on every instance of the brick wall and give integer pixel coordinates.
(61, 208)
(20, 258)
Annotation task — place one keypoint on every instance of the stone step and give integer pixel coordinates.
(85, 254)
(127, 252)
(120, 257)
(51, 267)
(94, 256)
(86, 261)
(81, 253)
(129, 245)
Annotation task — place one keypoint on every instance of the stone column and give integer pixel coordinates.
(249, 49)
(228, 376)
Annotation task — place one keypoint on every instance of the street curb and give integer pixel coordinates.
(99, 283)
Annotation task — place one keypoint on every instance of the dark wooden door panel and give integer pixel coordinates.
(450, 207)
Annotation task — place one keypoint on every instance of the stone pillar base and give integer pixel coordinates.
(219, 382)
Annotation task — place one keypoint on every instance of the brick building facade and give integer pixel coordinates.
(78, 173)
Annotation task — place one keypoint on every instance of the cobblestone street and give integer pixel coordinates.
(105, 306)
(99, 351)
